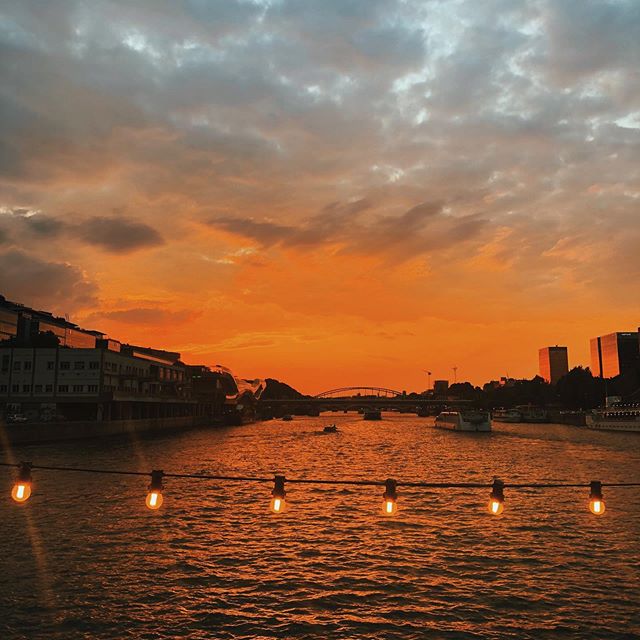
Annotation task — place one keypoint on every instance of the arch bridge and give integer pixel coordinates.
(360, 392)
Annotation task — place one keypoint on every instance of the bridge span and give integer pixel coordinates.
(357, 399)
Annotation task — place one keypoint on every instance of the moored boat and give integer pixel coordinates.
(618, 417)
(533, 413)
(464, 421)
(373, 414)
(506, 415)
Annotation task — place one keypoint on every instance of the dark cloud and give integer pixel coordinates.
(144, 316)
(51, 285)
(118, 234)
(425, 228)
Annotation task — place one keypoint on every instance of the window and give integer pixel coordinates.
(27, 366)
(94, 365)
(26, 388)
(17, 366)
(78, 388)
(50, 365)
(48, 388)
(63, 388)
(3, 388)
(78, 365)
(5, 363)
(65, 365)
(15, 388)
(93, 388)
(38, 388)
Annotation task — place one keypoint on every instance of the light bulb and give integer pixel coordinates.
(278, 503)
(22, 487)
(390, 498)
(21, 491)
(154, 499)
(596, 503)
(496, 498)
(495, 507)
(389, 507)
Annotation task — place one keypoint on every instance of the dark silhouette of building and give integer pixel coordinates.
(440, 387)
(554, 363)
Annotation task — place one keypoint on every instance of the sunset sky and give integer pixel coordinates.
(328, 192)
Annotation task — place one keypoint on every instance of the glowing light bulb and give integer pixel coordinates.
(154, 497)
(496, 499)
(495, 507)
(21, 491)
(22, 488)
(278, 503)
(596, 503)
(390, 498)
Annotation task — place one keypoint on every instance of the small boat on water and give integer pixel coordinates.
(374, 414)
(331, 428)
(506, 415)
(287, 418)
(464, 421)
(617, 417)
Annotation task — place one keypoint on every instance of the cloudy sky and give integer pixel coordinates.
(329, 192)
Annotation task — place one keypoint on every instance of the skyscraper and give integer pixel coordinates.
(614, 353)
(554, 363)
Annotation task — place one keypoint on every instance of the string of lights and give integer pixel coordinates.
(23, 486)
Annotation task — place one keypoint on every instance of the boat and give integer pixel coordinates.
(464, 421)
(506, 415)
(331, 428)
(287, 418)
(533, 413)
(618, 417)
(373, 414)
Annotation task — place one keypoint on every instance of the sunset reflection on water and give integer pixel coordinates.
(85, 556)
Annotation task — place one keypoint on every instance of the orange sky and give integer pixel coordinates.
(330, 194)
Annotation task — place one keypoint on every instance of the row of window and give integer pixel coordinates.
(48, 388)
(65, 365)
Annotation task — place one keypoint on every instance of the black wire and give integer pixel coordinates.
(366, 483)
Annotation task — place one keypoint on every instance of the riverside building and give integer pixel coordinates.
(614, 354)
(554, 363)
(51, 370)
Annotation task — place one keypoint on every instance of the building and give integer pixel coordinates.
(554, 363)
(24, 326)
(440, 387)
(614, 354)
(107, 382)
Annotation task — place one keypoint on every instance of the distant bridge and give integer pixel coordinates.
(360, 392)
(357, 399)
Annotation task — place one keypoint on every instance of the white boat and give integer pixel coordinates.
(464, 421)
(506, 415)
(619, 417)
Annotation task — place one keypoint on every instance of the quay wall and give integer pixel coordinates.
(33, 433)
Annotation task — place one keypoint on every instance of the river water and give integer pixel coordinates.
(84, 558)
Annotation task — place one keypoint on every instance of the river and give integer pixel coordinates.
(84, 558)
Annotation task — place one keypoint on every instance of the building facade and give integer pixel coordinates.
(553, 363)
(108, 382)
(614, 354)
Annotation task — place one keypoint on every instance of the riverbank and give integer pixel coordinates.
(45, 432)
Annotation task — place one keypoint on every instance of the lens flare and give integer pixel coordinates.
(596, 503)
(390, 498)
